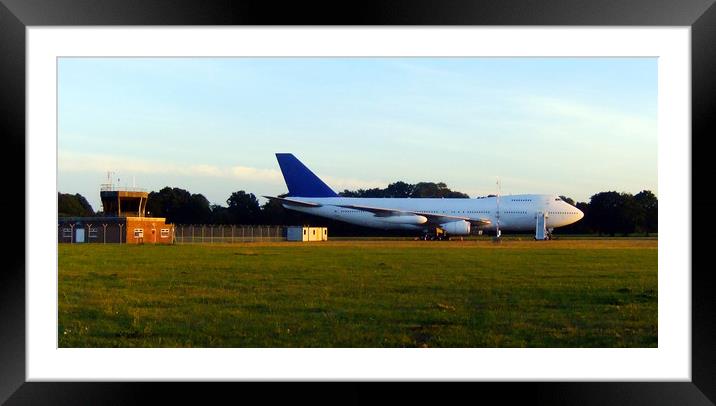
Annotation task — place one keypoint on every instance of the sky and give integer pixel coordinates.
(567, 126)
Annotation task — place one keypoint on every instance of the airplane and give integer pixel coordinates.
(433, 217)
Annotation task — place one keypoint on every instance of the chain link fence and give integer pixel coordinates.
(209, 234)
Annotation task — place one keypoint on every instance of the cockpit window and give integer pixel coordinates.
(558, 200)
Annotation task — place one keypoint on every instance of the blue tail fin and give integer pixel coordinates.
(300, 180)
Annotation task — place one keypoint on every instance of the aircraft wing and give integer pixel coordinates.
(432, 217)
(292, 202)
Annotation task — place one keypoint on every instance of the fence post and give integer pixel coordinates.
(211, 238)
(232, 233)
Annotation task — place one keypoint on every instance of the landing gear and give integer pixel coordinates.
(437, 234)
(433, 237)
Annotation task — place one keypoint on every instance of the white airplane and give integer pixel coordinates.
(441, 216)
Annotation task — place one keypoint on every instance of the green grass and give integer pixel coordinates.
(572, 293)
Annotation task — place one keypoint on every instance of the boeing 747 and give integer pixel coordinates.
(540, 213)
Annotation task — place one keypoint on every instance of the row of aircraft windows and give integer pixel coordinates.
(438, 211)
(455, 211)
(521, 200)
(469, 212)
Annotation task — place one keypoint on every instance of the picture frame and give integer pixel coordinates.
(16, 15)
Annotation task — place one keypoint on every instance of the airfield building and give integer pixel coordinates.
(306, 233)
(123, 221)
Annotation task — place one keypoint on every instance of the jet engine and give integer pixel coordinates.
(460, 227)
(409, 219)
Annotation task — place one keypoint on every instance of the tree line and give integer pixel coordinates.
(76, 205)
(613, 213)
(610, 213)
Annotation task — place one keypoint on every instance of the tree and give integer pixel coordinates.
(580, 227)
(425, 189)
(273, 212)
(568, 200)
(650, 206)
(401, 189)
(440, 189)
(612, 212)
(170, 203)
(199, 209)
(220, 215)
(179, 206)
(76, 205)
(244, 208)
(373, 192)
(631, 214)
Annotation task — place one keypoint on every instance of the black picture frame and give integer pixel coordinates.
(16, 15)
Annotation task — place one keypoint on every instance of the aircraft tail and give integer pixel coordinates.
(301, 182)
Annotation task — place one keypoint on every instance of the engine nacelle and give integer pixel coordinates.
(460, 227)
(408, 219)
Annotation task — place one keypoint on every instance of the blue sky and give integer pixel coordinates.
(570, 126)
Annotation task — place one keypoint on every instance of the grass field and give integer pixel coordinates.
(563, 293)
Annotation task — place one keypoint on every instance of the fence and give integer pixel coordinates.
(208, 234)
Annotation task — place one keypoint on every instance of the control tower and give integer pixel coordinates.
(123, 201)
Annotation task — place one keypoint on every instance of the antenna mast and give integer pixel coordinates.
(497, 225)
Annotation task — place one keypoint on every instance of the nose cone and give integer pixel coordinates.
(580, 214)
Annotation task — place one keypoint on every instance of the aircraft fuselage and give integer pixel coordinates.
(515, 212)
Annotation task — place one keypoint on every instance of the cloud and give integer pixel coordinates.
(245, 172)
(206, 170)
(341, 184)
(70, 161)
